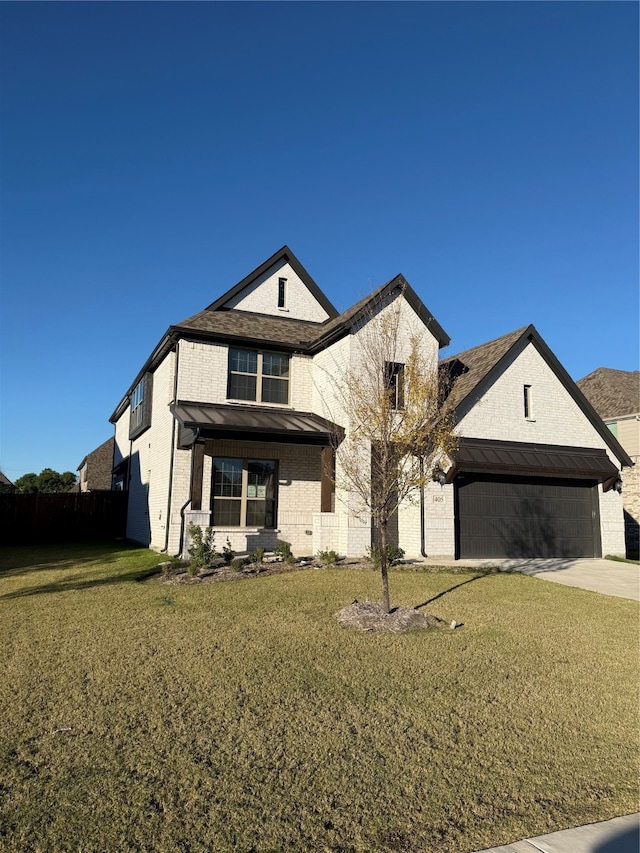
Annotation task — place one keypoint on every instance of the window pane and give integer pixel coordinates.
(275, 391)
(242, 387)
(226, 513)
(243, 361)
(274, 364)
(227, 478)
(255, 513)
(260, 513)
(260, 478)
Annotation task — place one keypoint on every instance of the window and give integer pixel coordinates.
(140, 407)
(282, 287)
(244, 493)
(394, 383)
(527, 401)
(259, 376)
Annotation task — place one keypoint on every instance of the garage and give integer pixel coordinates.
(524, 500)
(503, 516)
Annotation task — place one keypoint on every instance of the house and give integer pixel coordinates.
(95, 469)
(232, 420)
(615, 395)
(6, 486)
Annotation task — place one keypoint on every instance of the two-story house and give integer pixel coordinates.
(233, 419)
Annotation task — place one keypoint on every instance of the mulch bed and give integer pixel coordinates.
(370, 616)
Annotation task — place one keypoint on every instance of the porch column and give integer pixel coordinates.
(197, 464)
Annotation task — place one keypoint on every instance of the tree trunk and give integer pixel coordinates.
(386, 605)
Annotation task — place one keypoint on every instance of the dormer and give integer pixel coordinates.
(280, 287)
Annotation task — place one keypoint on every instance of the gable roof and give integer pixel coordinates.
(332, 330)
(5, 481)
(304, 335)
(104, 449)
(486, 362)
(246, 327)
(612, 393)
(283, 254)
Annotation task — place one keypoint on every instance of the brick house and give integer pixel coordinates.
(615, 395)
(231, 421)
(94, 472)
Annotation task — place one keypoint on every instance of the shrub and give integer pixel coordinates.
(328, 558)
(201, 550)
(283, 549)
(394, 555)
(257, 555)
(227, 552)
(238, 563)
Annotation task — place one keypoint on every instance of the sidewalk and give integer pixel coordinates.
(620, 835)
(598, 575)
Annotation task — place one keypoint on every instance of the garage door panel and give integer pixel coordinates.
(526, 517)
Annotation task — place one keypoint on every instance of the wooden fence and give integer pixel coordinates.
(64, 517)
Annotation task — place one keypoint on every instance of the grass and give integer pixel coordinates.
(622, 559)
(239, 716)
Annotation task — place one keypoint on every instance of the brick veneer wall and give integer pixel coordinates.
(262, 296)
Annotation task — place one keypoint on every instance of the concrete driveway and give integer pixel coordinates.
(606, 576)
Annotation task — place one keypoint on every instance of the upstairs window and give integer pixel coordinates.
(262, 377)
(527, 402)
(140, 407)
(394, 383)
(282, 292)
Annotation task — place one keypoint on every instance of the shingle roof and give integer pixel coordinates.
(472, 365)
(255, 327)
(612, 393)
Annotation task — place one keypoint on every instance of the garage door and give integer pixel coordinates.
(501, 516)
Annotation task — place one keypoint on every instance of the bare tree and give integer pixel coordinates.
(398, 420)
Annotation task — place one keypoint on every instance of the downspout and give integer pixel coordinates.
(173, 453)
(188, 500)
(422, 505)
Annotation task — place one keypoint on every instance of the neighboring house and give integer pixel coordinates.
(615, 395)
(95, 469)
(230, 422)
(6, 486)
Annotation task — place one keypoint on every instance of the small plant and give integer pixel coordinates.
(283, 549)
(257, 555)
(290, 560)
(201, 550)
(238, 563)
(328, 558)
(394, 555)
(227, 552)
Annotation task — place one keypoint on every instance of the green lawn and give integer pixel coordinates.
(239, 716)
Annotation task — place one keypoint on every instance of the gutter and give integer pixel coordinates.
(173, 453)
(423, 551)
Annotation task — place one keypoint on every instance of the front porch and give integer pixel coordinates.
(258, 476)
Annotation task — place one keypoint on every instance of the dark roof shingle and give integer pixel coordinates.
(472, 365)
(612, 393)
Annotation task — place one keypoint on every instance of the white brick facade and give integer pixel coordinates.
(195, 368)
(261, 296)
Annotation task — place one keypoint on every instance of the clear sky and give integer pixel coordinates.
(153, 154)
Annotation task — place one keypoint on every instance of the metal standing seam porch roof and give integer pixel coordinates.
(477, 455)
(255, 423)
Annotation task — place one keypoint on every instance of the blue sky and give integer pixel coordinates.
(153, 154)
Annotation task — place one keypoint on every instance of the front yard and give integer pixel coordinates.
(139, 716)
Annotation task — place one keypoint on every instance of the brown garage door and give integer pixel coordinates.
(500, 516)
